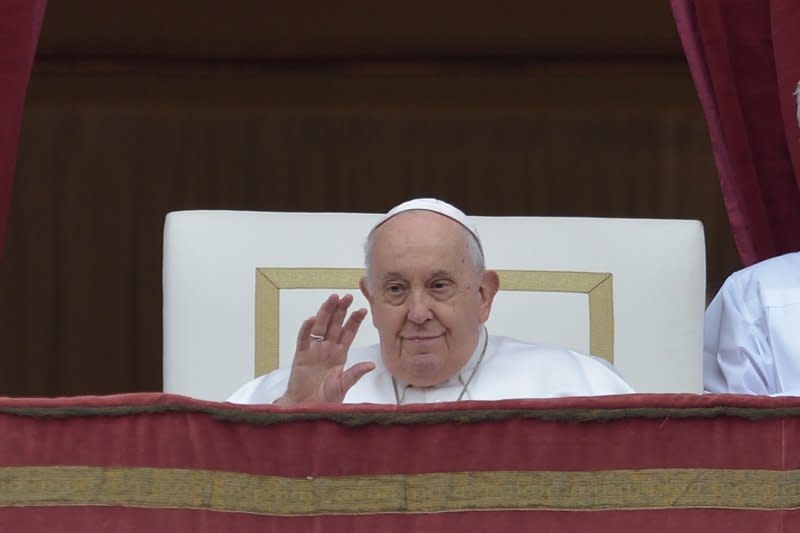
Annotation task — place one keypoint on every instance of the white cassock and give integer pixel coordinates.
(509, 369)
(752, 330)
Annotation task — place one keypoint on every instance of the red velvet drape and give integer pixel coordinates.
(744, 56)
(20, 22)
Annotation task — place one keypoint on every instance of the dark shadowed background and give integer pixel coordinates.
(136, 109)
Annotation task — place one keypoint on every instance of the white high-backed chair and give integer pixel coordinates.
(238, 284)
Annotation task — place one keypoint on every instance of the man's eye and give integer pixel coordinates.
(394, 289)
(440, 285)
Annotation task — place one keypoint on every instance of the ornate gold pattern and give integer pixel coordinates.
(270, 281)
(421, 493)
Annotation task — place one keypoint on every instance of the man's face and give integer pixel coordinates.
(426, 296)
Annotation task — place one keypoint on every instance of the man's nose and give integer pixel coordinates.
(419, 309)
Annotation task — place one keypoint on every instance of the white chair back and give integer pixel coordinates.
(238, 284)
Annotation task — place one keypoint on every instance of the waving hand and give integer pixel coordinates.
(318, 374)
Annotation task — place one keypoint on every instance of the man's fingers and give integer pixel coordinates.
(351, 327)
(304, 333)
(351, 376)
(338, 382)
(324, 314)
(335, 324)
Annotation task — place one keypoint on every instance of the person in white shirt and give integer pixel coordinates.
(430, 295)
(752, 330)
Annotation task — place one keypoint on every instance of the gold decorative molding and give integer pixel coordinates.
(597, 286)
(270, 281)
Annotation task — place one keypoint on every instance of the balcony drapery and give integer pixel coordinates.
(20, 23)
(744, 62)
(642, 462)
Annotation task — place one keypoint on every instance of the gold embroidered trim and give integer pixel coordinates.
(269, 282)
(422, 493)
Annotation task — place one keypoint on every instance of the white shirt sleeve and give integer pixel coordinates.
(752, 330)
(736, 351)
(264, 389)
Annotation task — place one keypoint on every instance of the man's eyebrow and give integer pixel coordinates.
(397, 275)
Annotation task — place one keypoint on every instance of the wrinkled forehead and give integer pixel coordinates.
(417, 243)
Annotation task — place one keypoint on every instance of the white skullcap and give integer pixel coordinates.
(437, 206)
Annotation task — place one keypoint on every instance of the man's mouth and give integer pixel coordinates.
(421, 338)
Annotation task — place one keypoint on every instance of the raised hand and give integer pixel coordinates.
(318, 374)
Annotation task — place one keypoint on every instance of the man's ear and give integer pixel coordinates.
(362, 284)
(490, 284)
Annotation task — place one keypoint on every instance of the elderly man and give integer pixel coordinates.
(430, 294)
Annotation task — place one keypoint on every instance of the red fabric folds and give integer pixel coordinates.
(785, 19)
(20, 23)
(129, 520)
(174, 432)
(742, 55)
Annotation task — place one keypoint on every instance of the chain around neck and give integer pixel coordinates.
(465, 384)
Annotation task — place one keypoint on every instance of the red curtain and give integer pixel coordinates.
(744, 56)
(20, 22)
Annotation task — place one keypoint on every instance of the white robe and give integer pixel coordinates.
(509, 369)
(752, 330)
